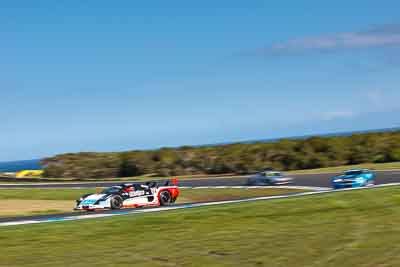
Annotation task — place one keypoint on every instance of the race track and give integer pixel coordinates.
(318, 182)
(314, 180)
(103, 214)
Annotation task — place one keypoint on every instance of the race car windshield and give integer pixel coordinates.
(353, 173)
(274, 174)
(111, 190)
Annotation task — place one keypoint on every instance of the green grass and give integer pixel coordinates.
(44, 194)
(200, 195)
(346, 229)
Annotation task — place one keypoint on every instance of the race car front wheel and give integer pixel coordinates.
(116, 202)
(165, 198)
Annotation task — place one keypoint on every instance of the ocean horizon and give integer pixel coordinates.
(15, 166)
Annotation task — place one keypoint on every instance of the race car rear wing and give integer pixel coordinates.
(174, 181)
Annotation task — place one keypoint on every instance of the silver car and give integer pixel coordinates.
(269, 178)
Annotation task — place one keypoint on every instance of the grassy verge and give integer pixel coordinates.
(358, 228)
(18, 207)
(43, 194)
(16, 202)
(200, 195)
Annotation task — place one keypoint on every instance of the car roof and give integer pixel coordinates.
(358, 170)
(270, 172)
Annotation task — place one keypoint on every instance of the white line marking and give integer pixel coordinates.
(19, 223)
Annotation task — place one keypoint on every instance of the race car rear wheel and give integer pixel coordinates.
(165, 198)
(116, 202)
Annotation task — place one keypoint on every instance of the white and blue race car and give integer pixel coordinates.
(130, 196)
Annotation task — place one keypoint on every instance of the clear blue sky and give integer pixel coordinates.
(119, 75)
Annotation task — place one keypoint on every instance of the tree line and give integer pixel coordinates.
(239, 158)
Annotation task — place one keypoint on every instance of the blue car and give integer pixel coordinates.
(354, 178)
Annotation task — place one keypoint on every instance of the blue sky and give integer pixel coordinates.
(119, 75)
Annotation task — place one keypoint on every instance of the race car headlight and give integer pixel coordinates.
(337, 180)
(80, 199)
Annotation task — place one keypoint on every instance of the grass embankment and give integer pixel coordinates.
(346, 229)
(16, 202)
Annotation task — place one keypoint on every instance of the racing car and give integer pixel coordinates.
(354, 178)
(269, 178)
(130, 196)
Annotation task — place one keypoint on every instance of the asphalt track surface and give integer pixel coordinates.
(307, 180)
(314, 180)
(104, 214)
(59, 217)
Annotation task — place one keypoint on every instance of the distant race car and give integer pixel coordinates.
(354, 178)
(130, 196)
(269, 178)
